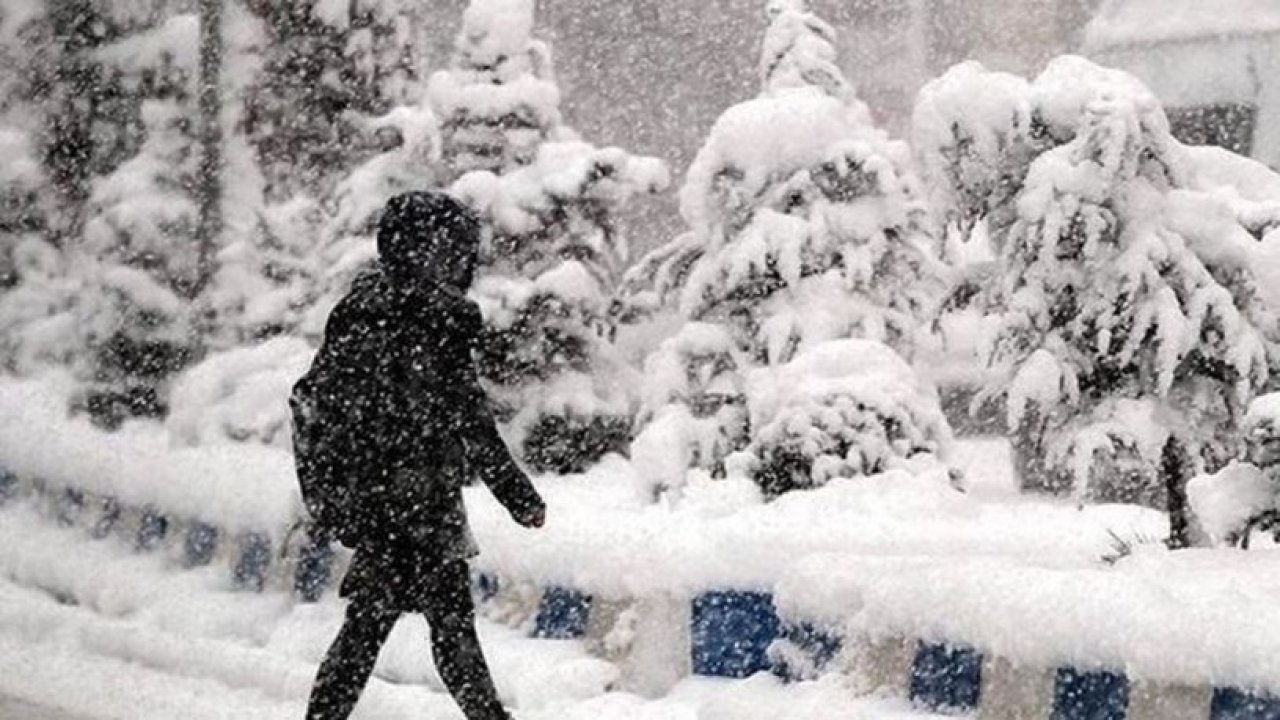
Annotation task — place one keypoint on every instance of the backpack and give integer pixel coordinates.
(325, 481)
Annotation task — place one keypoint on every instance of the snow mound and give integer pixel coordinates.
(239, 396)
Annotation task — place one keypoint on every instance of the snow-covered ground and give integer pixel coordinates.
(89, 631)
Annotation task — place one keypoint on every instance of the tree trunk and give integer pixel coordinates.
(209, 179)
(1175, 472)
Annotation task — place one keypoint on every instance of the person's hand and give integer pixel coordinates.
(534, 519)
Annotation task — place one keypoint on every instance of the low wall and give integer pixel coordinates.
(831, 614)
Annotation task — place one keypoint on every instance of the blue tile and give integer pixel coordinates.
(69, 507)
(1090, 695)
(152, 529)
(1234, 704)
(253, 557)
(8, 485)
(946, 678)
(314, 570)
(731, 633)
(108, 518)
(562, 614)
(484, 586)
(200, 544)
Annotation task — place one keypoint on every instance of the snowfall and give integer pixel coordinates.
(939, 547)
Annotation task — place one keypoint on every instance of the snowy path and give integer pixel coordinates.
(147, 642)
(11, 709)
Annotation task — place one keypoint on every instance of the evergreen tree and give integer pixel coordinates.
(326, 67)
(498, 102)
(1131, 332)
(806, 227)
(407, 158)
(35, 291)
(295, 115)
(553, 258)
(554, 249)
(139, 263)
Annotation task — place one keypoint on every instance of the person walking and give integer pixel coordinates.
(396, 371)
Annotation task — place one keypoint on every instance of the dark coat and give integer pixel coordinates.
(400, 346)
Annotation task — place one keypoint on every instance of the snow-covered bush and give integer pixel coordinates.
(325, 65)
(806, 224)
(1130, 327)
(238, 396)
(696, 406)
(36, 327)
(549, 266)
(844, 408)
(1246, 490)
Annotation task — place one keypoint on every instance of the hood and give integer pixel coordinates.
(429, 239)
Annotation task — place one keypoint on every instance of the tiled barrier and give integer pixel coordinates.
(253, 561)
(657, 641)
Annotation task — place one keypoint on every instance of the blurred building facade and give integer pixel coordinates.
(1215, 66)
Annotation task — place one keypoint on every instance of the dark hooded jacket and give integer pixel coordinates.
(399, 346)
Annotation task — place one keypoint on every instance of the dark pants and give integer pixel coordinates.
(454, 644)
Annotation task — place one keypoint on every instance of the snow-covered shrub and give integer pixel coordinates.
(36, 326)
(695, 402)
(974, 135)
(37, 319)
(806, 224)
(265, 281)
(1130, 330)
(1246, 490)
(239, 395)
(844, 408)
(803, 214)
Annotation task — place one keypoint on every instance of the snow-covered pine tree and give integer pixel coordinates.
(407, 140)
(383, 40)
(498, 102)
(332, 112)
(1131, 332)
(806, 228)
(139, 264)
(71, 96)
(553, 259)
(554, 249)
(36, 328)
(295, 114)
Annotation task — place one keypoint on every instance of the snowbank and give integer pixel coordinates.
(239, 487)
(239, 396)
(602, 538)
